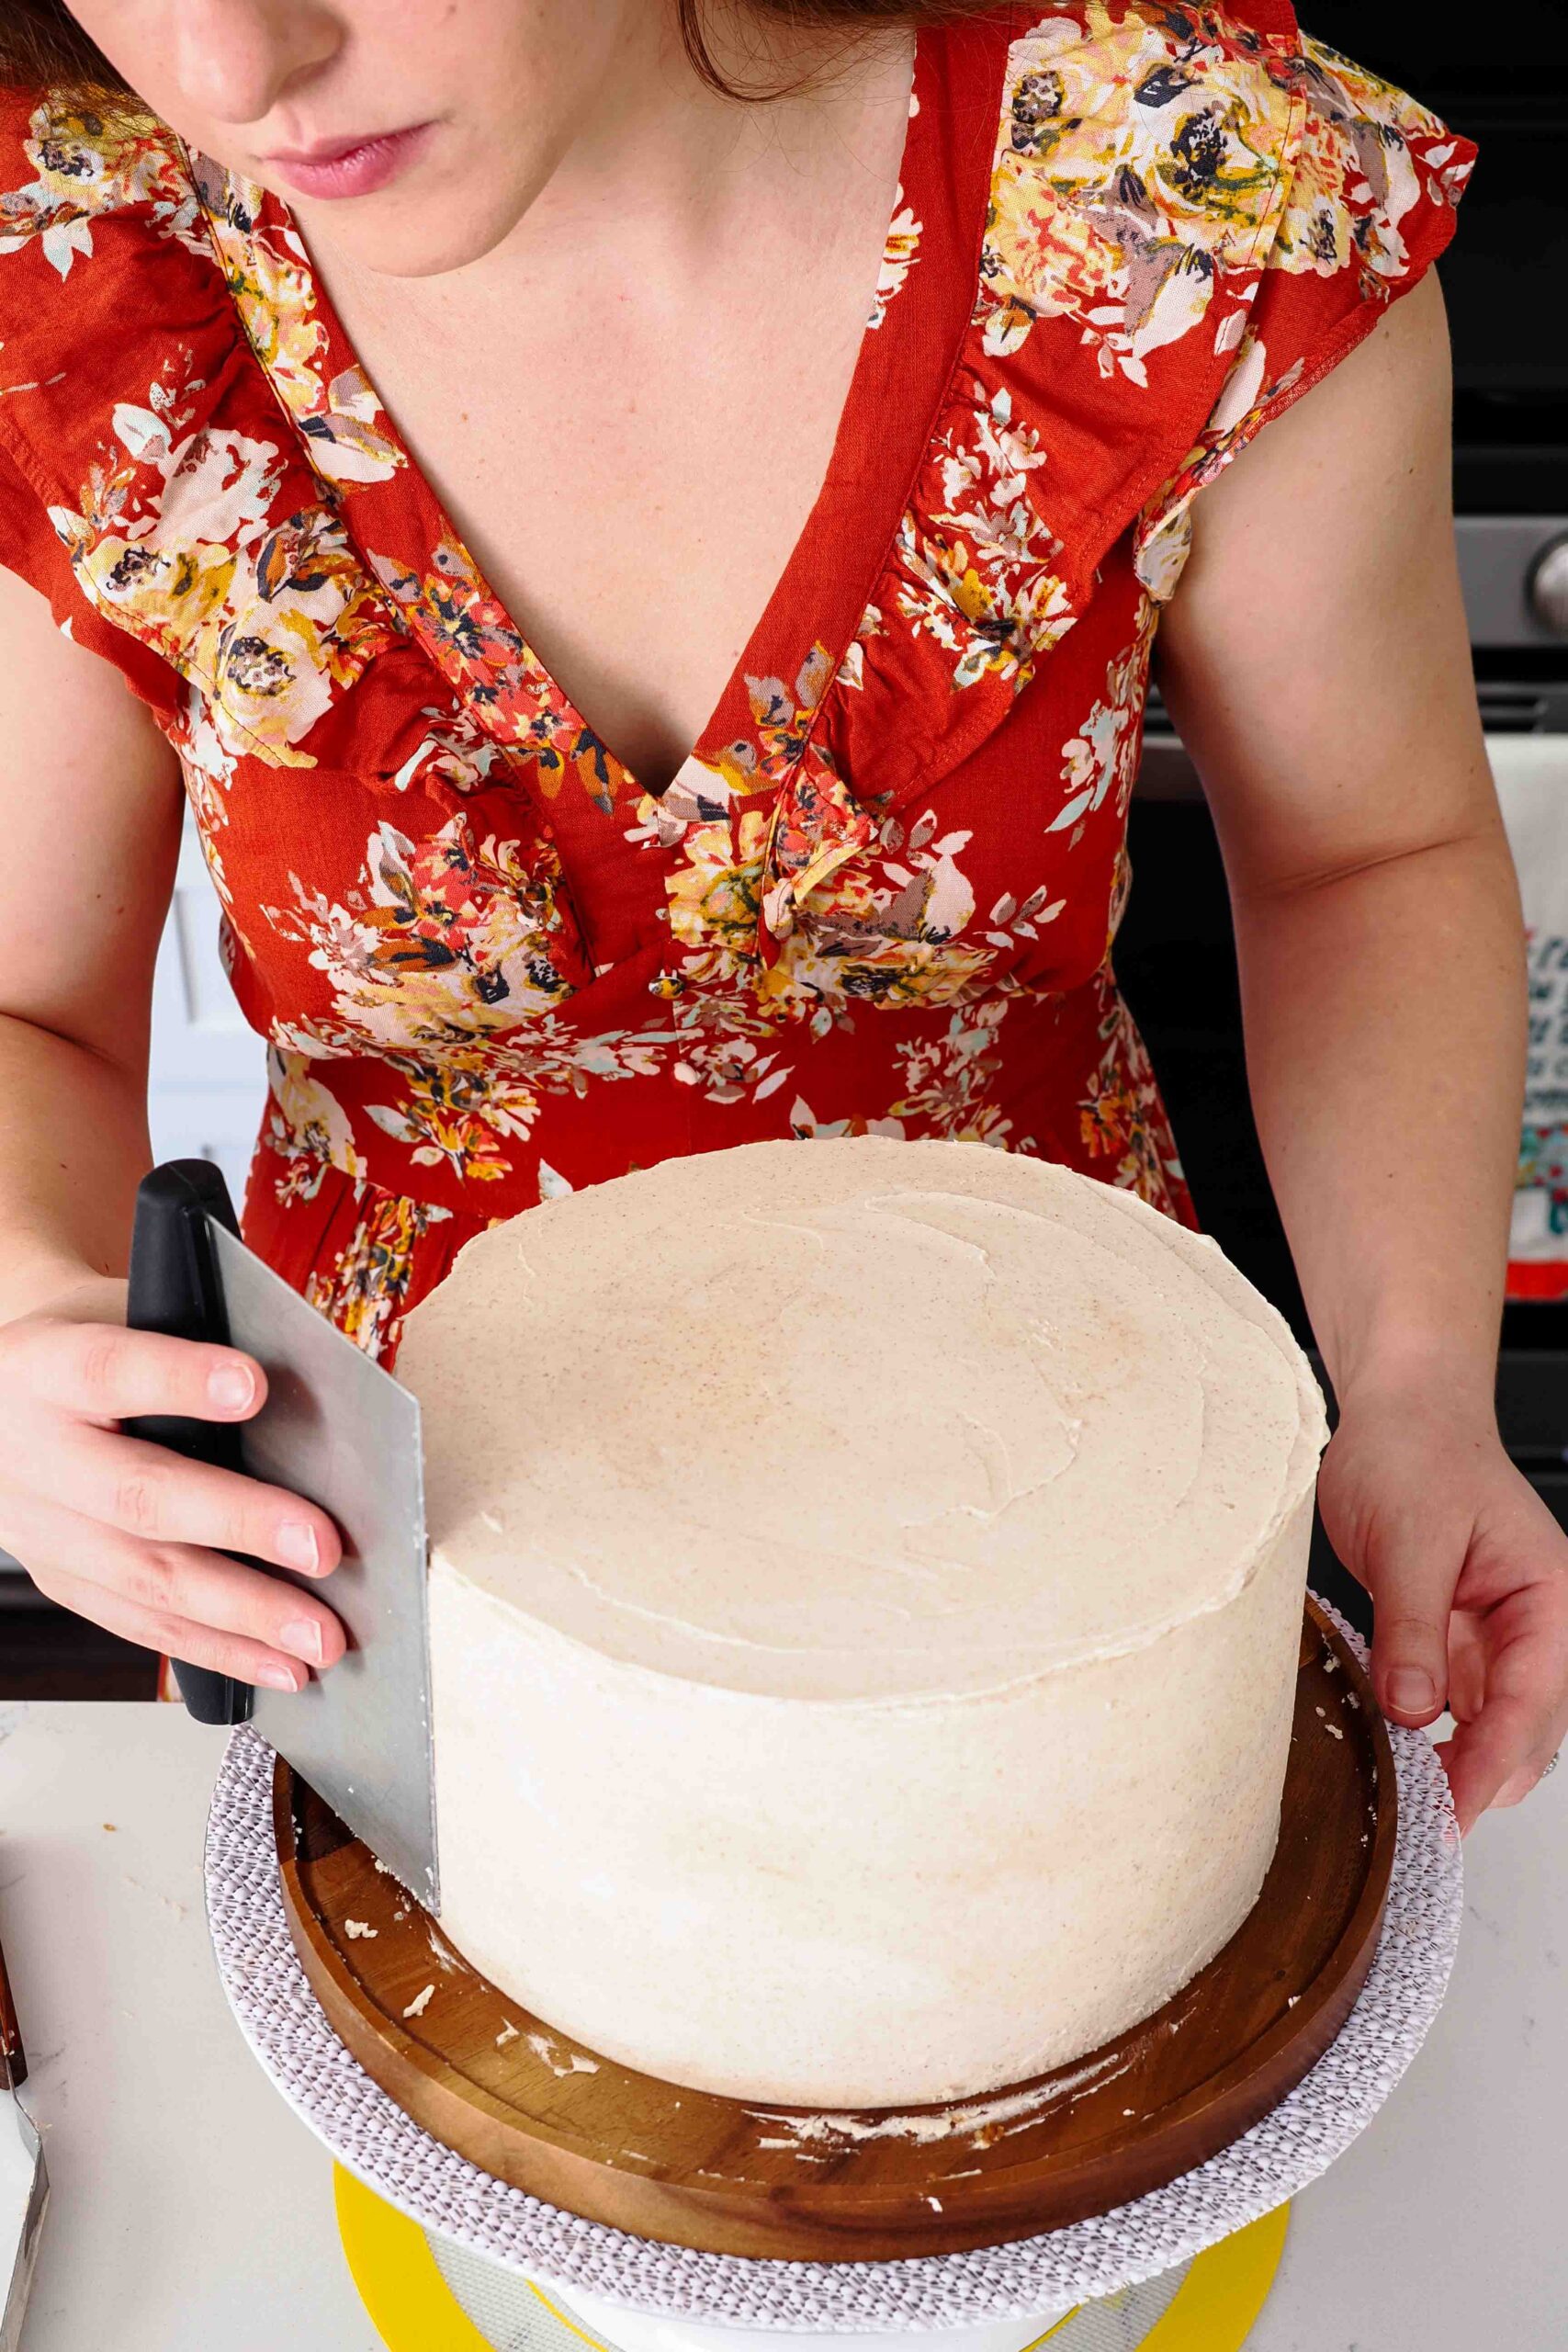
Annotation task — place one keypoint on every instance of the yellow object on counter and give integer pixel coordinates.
(414, 2310)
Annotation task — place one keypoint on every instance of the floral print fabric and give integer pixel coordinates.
(882, 892)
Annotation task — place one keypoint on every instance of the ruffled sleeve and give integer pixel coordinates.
(1373, 178)
(31, 548)
(97, 221)
(28, 545)
(155, 489)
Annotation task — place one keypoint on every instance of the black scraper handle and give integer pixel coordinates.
(175, 1289)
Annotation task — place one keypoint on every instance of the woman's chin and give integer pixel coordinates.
(428, 221)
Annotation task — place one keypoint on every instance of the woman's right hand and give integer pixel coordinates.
(132, 1535)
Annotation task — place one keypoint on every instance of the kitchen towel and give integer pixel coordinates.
(1531, 771)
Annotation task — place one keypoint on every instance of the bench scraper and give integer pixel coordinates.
(24, 2177)
(339, 1431)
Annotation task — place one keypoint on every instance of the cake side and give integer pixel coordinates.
(847, 1905)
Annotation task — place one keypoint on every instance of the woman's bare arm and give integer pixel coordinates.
(1317, 660)
(91, 832)
(119, 1531)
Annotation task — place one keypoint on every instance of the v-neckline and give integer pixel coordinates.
(872, 393)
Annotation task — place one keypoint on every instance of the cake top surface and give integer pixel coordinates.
(855, 1418)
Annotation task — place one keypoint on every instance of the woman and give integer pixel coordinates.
(943, 347)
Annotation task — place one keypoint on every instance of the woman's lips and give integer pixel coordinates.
(356, 170)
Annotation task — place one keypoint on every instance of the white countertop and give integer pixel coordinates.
(192, 2213)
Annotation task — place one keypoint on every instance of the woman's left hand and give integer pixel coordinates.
(1468, 1572)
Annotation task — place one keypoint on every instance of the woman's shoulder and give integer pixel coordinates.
(122, 357)
(108, 275)
(1193, 213)
(83, 184)
(1148, 154)
(118, 323)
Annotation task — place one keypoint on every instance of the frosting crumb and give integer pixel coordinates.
(545, 2050)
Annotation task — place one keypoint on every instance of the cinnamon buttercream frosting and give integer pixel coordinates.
(865, 1586)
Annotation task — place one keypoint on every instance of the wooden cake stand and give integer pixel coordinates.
(692, 2169)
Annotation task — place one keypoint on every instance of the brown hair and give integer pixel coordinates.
(43, 47)
(855, 20)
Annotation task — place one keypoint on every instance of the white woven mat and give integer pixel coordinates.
(371, 2135)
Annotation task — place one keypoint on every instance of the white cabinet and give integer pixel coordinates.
(206, 1079)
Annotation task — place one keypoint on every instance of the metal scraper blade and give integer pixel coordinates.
(338, 1429)
(24, 2193)
(24, 2177)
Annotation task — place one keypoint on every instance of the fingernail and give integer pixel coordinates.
(276, 1676)
(230, 1387)
(298, 1547)
(1412, 1689)
(304, 1638)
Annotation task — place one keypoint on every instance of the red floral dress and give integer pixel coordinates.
(882, 891)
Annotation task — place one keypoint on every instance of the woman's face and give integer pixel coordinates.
(456, 111)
